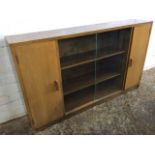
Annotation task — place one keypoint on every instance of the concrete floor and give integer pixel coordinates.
(130, 113)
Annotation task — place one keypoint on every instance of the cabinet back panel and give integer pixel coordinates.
(113, 64)
(114, 40)
(78, 71)
(73, 46)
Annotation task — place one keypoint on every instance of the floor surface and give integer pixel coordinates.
(130, 113)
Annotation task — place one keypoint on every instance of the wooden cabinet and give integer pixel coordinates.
(64, 71)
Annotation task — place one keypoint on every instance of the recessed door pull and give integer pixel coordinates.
(130, 62)
(56, 85)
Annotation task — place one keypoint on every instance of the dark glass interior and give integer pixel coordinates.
(114, 41)
(93, 66)
(109, 69)
(78, 78)
(74, 51)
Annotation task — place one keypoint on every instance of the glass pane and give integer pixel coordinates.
(76, 51)
(113, 41)
(77, 58)
(111, 59)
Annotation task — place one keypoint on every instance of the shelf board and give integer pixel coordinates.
(85, 58)
(79, 98)
(105, 91)
(77, 59)
(104, 56)
(86, 98)
(85, 81)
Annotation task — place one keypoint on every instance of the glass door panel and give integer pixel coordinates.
(93, 66)
(77, 58)
(111, 59)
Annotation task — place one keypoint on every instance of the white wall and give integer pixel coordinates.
(22, 16)
(11, 100)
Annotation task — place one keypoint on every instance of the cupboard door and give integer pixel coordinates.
(39, 71)
(140, 41)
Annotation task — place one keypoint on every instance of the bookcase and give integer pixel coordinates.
(62, 72)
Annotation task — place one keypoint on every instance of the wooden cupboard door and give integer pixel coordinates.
(39, 70)
(141, 34)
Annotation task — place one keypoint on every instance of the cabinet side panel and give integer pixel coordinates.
(139, 46)
(39, 72)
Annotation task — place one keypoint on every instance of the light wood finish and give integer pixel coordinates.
(139, 46)
(40, 76)
(72, 32)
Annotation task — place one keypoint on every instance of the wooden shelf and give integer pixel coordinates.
(86, 97)
(86, 57)
(85, 81)
(77, 59)
(111, 54)
(104, 91)
(79, 98)
(108, 87)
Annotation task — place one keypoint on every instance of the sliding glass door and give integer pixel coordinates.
(93, 66)
(77, 58)
(111, 60)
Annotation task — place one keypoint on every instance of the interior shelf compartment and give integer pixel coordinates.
(84, 76)
(87, 57)
(80, 98)
(78, 78)
(85, 81)
(91, 94)
(107, 87)
(112, 65)
(117, 40)
(74, 51)
(86, 49)
(78, 59)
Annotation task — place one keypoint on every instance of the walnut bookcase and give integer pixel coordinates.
(64, 71)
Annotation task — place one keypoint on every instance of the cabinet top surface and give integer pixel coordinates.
(74, 31)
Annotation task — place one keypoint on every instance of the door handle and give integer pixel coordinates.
(130, 62)
(56, 85)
